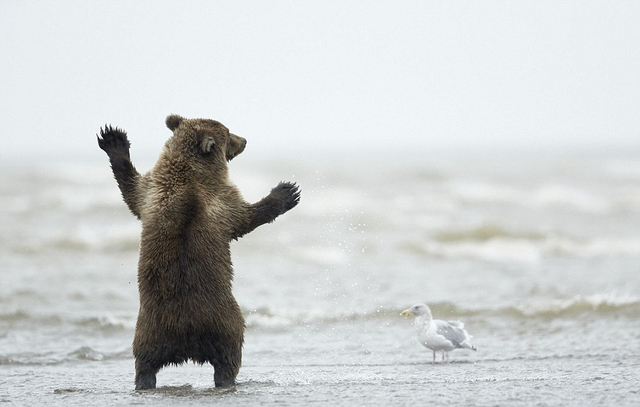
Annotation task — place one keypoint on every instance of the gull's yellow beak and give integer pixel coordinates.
(406, 313)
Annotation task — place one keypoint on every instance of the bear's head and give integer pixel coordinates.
(203, 140)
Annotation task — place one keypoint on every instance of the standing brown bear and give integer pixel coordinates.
(190, 212)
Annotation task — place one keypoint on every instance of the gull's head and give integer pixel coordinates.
(417, 310)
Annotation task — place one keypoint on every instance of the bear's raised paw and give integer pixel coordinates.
(113, 140)
(287, 193)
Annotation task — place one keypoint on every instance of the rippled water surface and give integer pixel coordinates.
(539, 256)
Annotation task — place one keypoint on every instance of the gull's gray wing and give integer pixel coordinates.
(453, 331)
(456, 324)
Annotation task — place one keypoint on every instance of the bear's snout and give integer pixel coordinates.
(236, 146)
(243, 141)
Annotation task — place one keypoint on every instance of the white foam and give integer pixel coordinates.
(556, 194)
(495, 250)
(518, 249)
(578, 303)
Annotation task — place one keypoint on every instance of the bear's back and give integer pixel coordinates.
(184, 248)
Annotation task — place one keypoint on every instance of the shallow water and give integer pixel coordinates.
(539, 256)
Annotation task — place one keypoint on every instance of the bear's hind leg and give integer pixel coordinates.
(146, 375)
(224, 374)
(226, 363)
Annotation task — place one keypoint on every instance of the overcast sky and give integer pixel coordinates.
(314, 77)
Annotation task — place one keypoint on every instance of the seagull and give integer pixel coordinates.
(438, 335)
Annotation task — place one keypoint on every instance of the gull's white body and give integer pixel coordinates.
(438, 335)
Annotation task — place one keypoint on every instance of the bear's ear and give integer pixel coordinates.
(173, 121)
(207, 145)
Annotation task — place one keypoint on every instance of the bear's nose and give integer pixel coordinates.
(242, 140)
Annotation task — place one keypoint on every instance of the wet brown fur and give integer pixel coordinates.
(190, 212)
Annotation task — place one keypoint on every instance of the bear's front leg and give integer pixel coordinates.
(116, 144)
(285, 196)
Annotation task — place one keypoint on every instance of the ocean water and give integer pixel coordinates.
(538, 255)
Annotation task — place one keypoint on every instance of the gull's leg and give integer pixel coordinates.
(434, 357)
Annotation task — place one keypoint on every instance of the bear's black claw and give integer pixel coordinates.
(288, 193)
(113, 139)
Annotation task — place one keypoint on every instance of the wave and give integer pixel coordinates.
(268, 318)
(88, 353)
(103, 324)
(598, 305)
(494, 243)
(107, 324)
(572, 194)
(19, 316)
(84, 353)
(487, 243)
(484, 233)
(126, 239)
